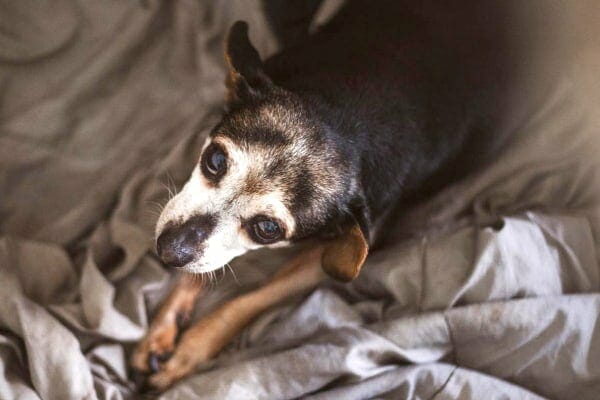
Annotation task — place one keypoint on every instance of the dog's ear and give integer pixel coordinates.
(344, 256)
(245, 75)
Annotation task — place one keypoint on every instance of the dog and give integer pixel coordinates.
(326, 140)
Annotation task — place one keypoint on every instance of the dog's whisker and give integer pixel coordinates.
(158, 206)
(211, 280)
(233, 274)
(222, 274)
(208, 280)
(150, 216)
(153, 213)
(195, 279)
(169, 191)
(155, 208)
(165, 186)
(172, 187)
(201, 277)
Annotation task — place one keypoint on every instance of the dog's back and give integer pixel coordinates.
(418, 100)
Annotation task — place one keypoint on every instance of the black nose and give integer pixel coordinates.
(179, 245)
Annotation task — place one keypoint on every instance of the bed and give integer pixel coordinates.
(490, 289)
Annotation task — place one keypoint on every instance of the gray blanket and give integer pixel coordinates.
(489, 290)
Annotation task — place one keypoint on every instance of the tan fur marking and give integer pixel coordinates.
(344, 256)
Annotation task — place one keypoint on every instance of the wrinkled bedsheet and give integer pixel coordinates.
(489, 290)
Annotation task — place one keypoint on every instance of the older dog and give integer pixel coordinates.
(325, 140)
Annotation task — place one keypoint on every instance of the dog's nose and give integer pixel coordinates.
(179, 245)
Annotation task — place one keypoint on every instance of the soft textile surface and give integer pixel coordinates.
(489, 290)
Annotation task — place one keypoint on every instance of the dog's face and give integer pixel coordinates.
(267, 175)
(264, 178)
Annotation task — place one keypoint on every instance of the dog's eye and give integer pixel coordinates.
(214, 161)
(266, 231)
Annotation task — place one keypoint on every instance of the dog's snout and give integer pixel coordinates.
(176, 246)
(182, 244)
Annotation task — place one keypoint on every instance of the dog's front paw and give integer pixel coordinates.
(201, 342)
(198, 344)
(156, 347)
(177, 367)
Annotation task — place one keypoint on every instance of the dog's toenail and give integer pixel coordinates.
(153, 363)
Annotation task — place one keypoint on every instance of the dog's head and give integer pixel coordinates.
(270, 173)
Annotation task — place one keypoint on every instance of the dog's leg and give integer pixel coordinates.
(159, 342)
(208, 336)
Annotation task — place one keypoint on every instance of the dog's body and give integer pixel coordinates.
(407, 111)
(324, 140)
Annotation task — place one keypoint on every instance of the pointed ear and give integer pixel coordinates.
(343, 257)
(245, 76)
